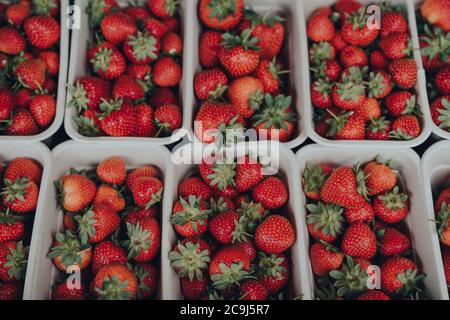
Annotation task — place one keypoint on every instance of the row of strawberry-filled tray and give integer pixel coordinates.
(186, 69)
(308, 221)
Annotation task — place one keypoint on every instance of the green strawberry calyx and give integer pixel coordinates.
(189, 261)
(191, 214)
(230, 275)
(113, 289)
(138, 240)
(351, 280)
(327, 218)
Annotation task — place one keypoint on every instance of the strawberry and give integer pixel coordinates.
(399, 275)
(190, 258)
(314, 177)
(321, 94)
(31, 73)
(253, 290)
(11, 229)
(105, 253)
(229, 267)
(392, 206)
(342, 189)
(404, 72)
(320, 28)
(401, 103)
(163, 8)
(147, 191)
(97, 9)
(392, 242)
(172, 24)
(115, 282)
(148, 280)
(239, 54)
(436, 12)
(440, 112)
(393, 22)
(136, 214)
(251, 214)
(347, 126)
(442, 222)
(46, 7)
(190, 217)
(117, 27)
(272, 193)
(406, 127)
(144, 240)
(107, 61)
(373, 295)
(274, 272)
(161, 97)
(20, 195)
(380, 85)
(43, 109)
(194, 186)
(330, 69)
(442, 81)
(274, 235)
(97, 224)
(172, 44)
(88, 92)
(227, 227)
(23, 97)
(11, 41)
(357, 31)
(378, 61)
(42, 31)
(220, 177)
(246, 94)
(446, 260)
(88, 124)
(338, 42)
(118, 118)
(63, 292)
(379, 129)
(127, 88)
(359, 241)
(325, 221)
(7, 103)
(11, 291)
(155, 27)
(379, 177)
(141, 48)
(68, 251)
(16, 13)
(320, 52)
(209, 48)
(22, 124)
(352, 56)
(23, 168)
(144, 171)
(76, 191)
(346, 7)
(324, 259)
(168, 118)
(351, 278)
(444, 197)
(369, 110)
(364, 213)
(166, 72)
(110, 197)
(194, 289)
(145, 121)
(396, 45)
(139, 71)
(138, 13)
(349, 95)
(13, 261)
(210, 84)
(221, 15)
(248, 174)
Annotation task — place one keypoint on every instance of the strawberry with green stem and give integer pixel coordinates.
(346, 126)
(324, 258)
(440, 112)
(144, 239)
(379, 85)
(141, 48)
(348, 95)
(97, 9)
(401, 103)
(351, 279)
(321, 94)
(147, 191)
(221, 14)
(190, 217)
(314, 177)
(20, 195)
(378, 129)
(118, 118)
(88, 93)
(273, 271)
(325, 221)
(392, 206)
(190, 258)
(11, 229)
(13, 261)
(321, 52)
(220, 176)
(97, 224)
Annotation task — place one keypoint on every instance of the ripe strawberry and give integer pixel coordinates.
(352, 56)
(147, 191)
(23, 97)
(338, 42)
(136, 214)
(97, 224)
(88, 92)
(68, 251)
(274, 272)
(314, 177)
(20, 195)
(31, 73)
(220, 177)
(11, 41)
(439, 112)
(97, 9)
(351, 278)
(324, 259)
(221, 15)
(141, 48)
(272, 193)
(190, 258)
(190, 217)
(22, 124)
(248, 174)
(63, 292)
(155, 27)
(433, 53)
(105, 253)
(168, 118)
(138, 13)
(11, 291)
(392, 207)
(229, 267)
(393, 22)
(118, 118)
(392, 242)
(359, 241)
(321, 52)
(10, 229)
(346, 7)
(172, 24)
(239, 54)
(406, 127)
(210, 84)
(107, 62)
(117, 27)
(246, 94)
(330, 69)
(347, 126)
(148, 280)
(17, 13)
(444, 197)
(127, 88)
(88, 124)
(139, 71)
(373, 295)
(7, 103)
(227, 227)
(145, 121)
(399, 276)
(320, 28)
(163, 8)
(357, 31)
(166, 72)
(436, 12)
(110, 197)
(321, 94)
(442, 81)
(349, 95)
(144, 171)
(274, 235)
(13, 261)
(42, 31)
(209, 48)
(380, 85)
(194, 289)
(253, 290)
(396, 45)
(446, 259)
(363, 213)
(161, 97)
(341, 188)
(48, 7)
(404, 72)
(401, 103)
(115, 282)
(378, 61)
(325, 222)
(172, 44)
(369, 110)
(194, 186)
(76, 191)
(144, 240)
(43, 109)
(379, 177)
(23, 168)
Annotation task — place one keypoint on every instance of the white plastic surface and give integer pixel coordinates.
(41, 272)
(422, 231)
(307, 8)
(79, 66)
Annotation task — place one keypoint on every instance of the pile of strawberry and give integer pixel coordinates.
(29, 66)
(242, 83)
(135, 71)
(19, 181)
(356, 220)
(363, 75)
(434, 32)
(442, 211)
(234, 236)
(112, 232)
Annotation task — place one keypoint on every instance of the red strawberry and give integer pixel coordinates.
(274, 272)
(347, 126)
(369, 110)
(16, 13)
(396, 45)
(320, 28)
(399, 276)
(364, 213)
(325, 222)
(107, 62)
(118, 118)
(392, 207)
(404, 72)
(269, 73)
(139, 71)
(155, 28)
(12, 291)
(194, 186)
(141, 48)
(274, 235)
(7, 103)
(144, 171)
(190, 217)
(145, 126)
(272, 193)
(98, 9)
(359, 241)
(148, 280)
(220, 177)
(163, 8)
(253, 290)
(166, 72)
(329, 69)
(378, 61)
(161, 97)
(23, 97)
(97, 224)
(406, 127)
(77, 192)
(442, 81)
(440, 112)
(63, 292)
(346, 7)
(88, 93)
(88, 124)
(51, 59)
(43, 109)
(190, 258)
(67, 251)
(50, 7)
(221, 15)
(379, 177)
(314, 177)
(401, 103)
(446, 259)
(321, 94)
(349, 95)
(172, 44)
(324, 259)
(320, 52)
(393, 242)
(115, 281)
(246, 94)
(22, 124)
(248, 174)
(172, 24)
(352, 56)
(136, 214)
(393, 22)
(436, 12)
(357, 31)
(194, 289)
(117, 27)
(209, 48)
(127, 88)
(11, 41)
(10, 229)
(227, 227)
(380, 85)
(147, 191)
(20, 195)
(112, 170)
(338, 42)
(144, 239)
(229, 267)
(168, 118)
(13, 261)
(110, 197)
(378, 129)
(139, 13)
(23, 168)
(373, 295)
(42, 31)
(105, 253)
(31, 73)
(210, 84)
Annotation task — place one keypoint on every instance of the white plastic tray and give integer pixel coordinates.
(41, 273)
(39, 152)
(436, 172)
(289, 9)
(307, 7)
(79, 66)
(300, 281)
(407, 162)
(62, 78)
